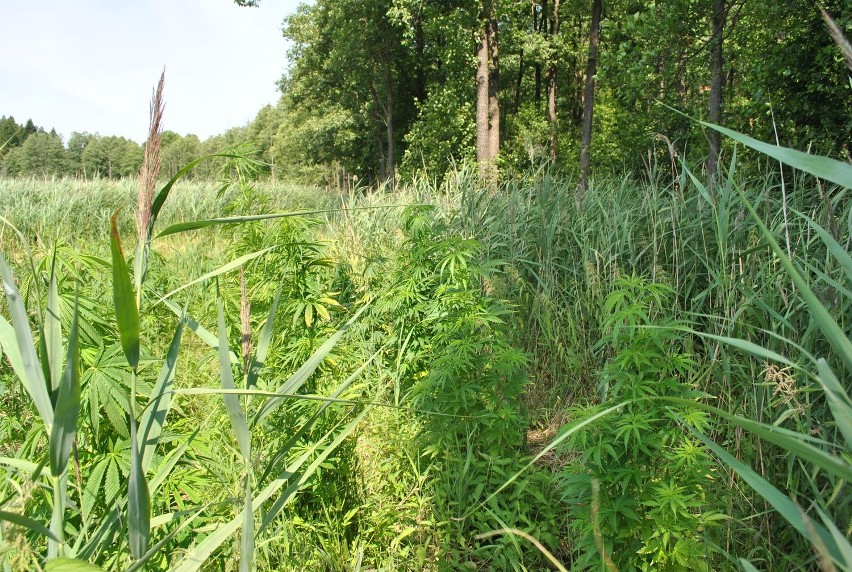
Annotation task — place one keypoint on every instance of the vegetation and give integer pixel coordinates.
(489, 365)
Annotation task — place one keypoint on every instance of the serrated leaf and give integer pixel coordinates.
(93, 492)
(112, 483)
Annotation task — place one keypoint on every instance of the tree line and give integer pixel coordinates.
(407, 87)
(27, 150)
(394, 89)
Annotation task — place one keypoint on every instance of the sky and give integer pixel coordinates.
(91, 65)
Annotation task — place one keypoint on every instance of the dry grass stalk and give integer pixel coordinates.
(151, 162)
(838, 37)
(245, 320)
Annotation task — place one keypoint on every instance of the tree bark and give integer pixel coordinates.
(390, 171)
(716, 80)
(487, 96)
(482, 103)
(589, 100)
(493, 92)
(551, 83)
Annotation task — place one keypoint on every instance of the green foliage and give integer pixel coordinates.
(640, 495)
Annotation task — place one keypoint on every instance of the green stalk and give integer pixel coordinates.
(55, 545)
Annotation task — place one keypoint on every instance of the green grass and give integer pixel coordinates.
(470, 317)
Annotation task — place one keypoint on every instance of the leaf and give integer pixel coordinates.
(126, 311)
(301, 375)
(67, 404)
(263, 344)
(28, 523)
(33, 376)
(154, 417)
(232, 265)
(70, 565)
(138, 500)
(232, 403)
(51, 339)
(195, 557)
(838, 172)
(791, 512)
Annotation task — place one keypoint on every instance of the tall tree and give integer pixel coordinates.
(487, 92)
(551, 83)
(589, 100)
(718, 19)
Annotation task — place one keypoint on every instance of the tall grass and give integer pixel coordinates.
(562, 258)
(751, 325)
(79, 210)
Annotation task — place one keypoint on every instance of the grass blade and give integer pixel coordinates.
(832, 331)
(51, 339)
(838, 402)
(247, 534)
(154, 417)
(28, 523)
(67, 404)
(263, 344)
(71, 565)
(236, 263)
(301, 375)
(203, 333)
(832, 170)
(791, 512)
(33, 378)
(138, 500)
(838, 251)
(232, 403)
(195, 558)
(126, 311)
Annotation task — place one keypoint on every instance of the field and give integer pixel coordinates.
(446, 377)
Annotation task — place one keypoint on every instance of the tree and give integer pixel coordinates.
(589, 100)
(43, 155)
(718, 19)
(487, 92)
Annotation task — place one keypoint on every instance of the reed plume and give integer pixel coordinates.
(151, 162)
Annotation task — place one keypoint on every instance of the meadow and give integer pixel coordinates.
(444, 377)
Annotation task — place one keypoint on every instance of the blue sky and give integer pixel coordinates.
(90, 65)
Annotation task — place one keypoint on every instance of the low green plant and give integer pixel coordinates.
(638, 495)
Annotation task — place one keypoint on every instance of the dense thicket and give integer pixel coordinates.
(401, 85)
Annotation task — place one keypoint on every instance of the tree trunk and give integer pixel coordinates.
(589, 102)
(487, 97)
(482, 138)
(493, 92)
(551, 82)
(716, 79)
(390, 172)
